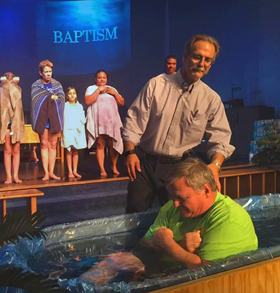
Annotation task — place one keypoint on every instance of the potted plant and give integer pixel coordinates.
(22, 224)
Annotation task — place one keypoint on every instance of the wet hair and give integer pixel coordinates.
(206, 38)
(45, 63)
(195, 172)
(68, 90)
(170, 57)
(100, 70)
(9, 75)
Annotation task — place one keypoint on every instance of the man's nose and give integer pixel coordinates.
(176, 203)
(201, 62)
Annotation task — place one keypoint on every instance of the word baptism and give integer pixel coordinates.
(86, 36)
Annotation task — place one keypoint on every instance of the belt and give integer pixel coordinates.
(168, 160)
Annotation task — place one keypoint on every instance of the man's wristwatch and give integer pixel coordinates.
(129, 152)
(217, 164)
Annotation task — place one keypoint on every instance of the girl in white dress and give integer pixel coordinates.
(73, 137)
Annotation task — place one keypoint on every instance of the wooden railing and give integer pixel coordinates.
(249, 180)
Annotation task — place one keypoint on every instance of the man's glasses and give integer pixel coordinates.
(199, 58)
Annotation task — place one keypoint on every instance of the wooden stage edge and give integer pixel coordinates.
(58, 183)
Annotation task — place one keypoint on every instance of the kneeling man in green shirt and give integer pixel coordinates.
(199, 225)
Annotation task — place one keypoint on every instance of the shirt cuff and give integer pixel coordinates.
(225, 150)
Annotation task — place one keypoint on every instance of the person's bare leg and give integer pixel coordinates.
(52, 154)
(44, 142)
(69, 163)
(75, 163)
(16, 161)
(8, 158)
(100, 154)
(34, 154)
(114, 157)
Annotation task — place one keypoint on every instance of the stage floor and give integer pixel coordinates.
(31, 174)
(71, 200)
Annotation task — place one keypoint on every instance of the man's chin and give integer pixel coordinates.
(185, 214)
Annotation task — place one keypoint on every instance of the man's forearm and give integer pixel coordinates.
(128, 145)
(218, 160)
(190, 260)
(171, 247)
(150, 244)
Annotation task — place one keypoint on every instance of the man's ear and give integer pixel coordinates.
(207, 189)
(40, 73)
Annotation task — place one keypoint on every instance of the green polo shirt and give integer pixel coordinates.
(226, 228)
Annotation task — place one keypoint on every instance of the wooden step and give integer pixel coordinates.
(30, 195)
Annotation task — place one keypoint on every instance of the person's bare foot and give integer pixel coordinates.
(46, 178)
(103, 173)
(53, 176)
(17, 180)
(9, 181)
(77, 175)
(115, 171)
(71, 175)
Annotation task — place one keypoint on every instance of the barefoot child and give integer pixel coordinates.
(11, 124)
(73, 137)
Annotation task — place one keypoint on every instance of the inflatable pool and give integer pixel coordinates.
(70, 250)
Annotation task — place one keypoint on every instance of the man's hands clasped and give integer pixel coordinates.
(191, 241)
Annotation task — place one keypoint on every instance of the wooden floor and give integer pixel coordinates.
(31, 174)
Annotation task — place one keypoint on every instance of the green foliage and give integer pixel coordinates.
(21, 224)
(37, 283)
(269, 151)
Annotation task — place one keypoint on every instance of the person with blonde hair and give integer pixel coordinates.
(12, 130)
(47, 107)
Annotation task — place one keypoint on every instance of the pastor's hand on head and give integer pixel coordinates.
(215, 172)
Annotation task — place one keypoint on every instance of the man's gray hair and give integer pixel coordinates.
(195, 172)
(206, 38)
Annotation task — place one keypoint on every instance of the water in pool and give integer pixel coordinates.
(85, 258)
(102, 259)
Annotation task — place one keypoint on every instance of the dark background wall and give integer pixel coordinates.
(247, 31)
